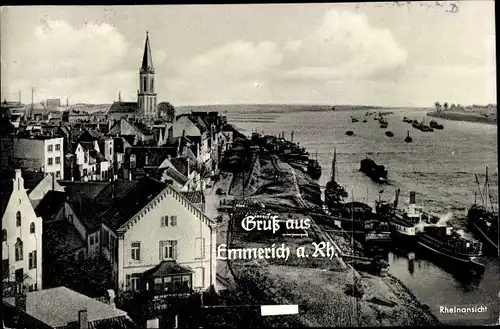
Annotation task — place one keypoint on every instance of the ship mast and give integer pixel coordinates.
(479, 189)
(485, 190)
(334, 163)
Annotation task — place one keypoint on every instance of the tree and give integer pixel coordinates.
(445, 106)
(167, 110)
(452, 106)
(438, 106)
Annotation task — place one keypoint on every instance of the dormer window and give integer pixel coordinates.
(32, 228)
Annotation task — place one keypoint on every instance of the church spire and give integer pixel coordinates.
(147, 60)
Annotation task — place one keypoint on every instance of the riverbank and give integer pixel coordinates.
(488, 118)
(328, 292)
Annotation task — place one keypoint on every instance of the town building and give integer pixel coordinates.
(38, 153)
(21, 236)
(146, 105)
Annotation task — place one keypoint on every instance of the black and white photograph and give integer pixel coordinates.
(249, 165)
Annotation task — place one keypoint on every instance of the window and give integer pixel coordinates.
(186, 282)
(177, 283)
(58, 174)
(173, 220)
(49, 148)
(4, 235)
(80, 256)
(144, 84)
(19, 250)
(58, 147)
(32, 259)
(168, 249)
(136, 251)
(158, 284)
(152, 85)
(199, 277)
(164, 221)
(32, 227)
(70, 218)
(58, 160)
(133, 282)
(199, 248)
(84, 172)
(91, 239)
(50, 161)
(85, 157)
(18, 219)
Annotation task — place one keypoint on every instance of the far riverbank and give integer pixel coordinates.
(464, 116)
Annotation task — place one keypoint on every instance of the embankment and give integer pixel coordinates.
(465, 116)
(321, 286)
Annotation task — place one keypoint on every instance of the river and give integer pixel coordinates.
(439, 166)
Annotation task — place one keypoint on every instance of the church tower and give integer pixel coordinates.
(146, 97)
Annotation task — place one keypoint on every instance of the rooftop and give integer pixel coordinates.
(50, 204)
(42, 305)
(123, 107)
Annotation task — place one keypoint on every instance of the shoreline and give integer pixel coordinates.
(463, 116)
(276, 281)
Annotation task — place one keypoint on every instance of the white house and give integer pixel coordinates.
(167, 245)
(92, 165)
(21, 235)
(39, 153)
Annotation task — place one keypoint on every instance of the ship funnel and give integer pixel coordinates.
(412, 197)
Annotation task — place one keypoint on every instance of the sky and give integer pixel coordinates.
(386, 54)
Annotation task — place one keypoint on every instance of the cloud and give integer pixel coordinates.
(343, 46)
(60, 59)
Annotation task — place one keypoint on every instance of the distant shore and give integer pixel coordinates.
(464, 116)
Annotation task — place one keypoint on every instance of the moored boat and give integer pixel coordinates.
(334, 192)
(377, 173)
(389, 134)
(445, 241)
(483, 220)
(314, 168)
(349, 133)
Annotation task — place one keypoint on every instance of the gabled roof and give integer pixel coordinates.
(58, 307)
(119, 188)
(32, 179)
(184, 126)
(90, 189)
(123, 107)
(87, 210)
(98, 157)
(132, 202)
(64, 231)
(50, 204)
(181, 164)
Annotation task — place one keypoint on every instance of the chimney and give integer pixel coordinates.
(412, 197)
(83, 322)
(53, 182)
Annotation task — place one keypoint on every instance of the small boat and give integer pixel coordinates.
(408, 139)
(334, 192)
(377, 173)
(389, 134)
(349, 133)
(314, 168)
(355, 120)
(364, 120)
(435, 125)
(384, 125)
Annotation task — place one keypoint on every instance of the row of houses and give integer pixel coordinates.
(131, 195)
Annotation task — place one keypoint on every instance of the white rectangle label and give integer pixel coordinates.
(266, 310)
